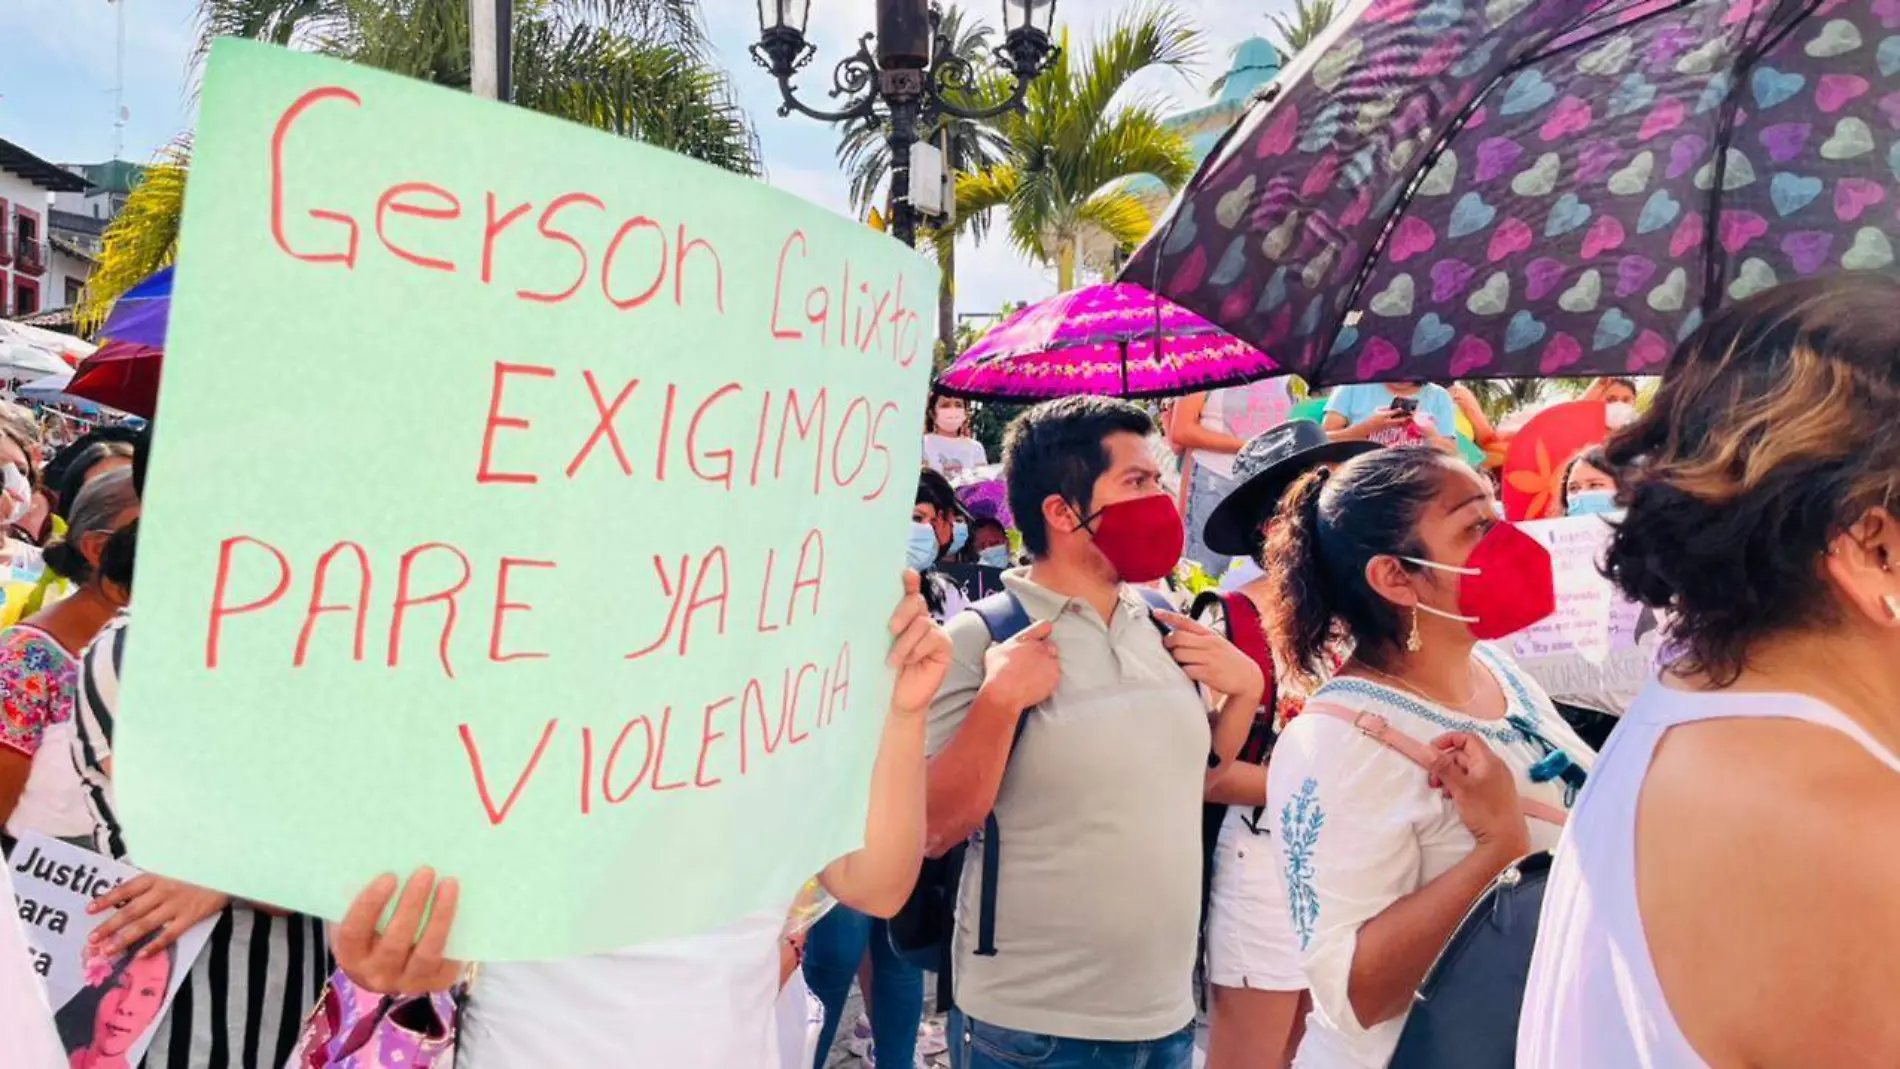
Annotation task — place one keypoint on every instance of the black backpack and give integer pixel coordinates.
(922, 931)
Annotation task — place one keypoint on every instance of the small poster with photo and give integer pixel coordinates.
(105, 1009)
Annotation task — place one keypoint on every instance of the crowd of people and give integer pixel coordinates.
(1266, 812)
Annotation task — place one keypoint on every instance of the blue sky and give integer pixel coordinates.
(56, 92)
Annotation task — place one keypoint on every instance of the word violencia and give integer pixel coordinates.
(631, 263)
(615, 763)
(698, 590)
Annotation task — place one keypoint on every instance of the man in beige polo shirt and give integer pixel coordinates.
(1098, 805)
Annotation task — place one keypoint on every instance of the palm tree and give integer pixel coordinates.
(1307, 20)
(637, 68)
(967, 146)
(1063, 178)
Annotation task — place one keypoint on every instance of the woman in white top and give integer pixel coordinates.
(704, 1002)
(1403, 552)
(1747, 912)
(949, 447)
(1209, 428)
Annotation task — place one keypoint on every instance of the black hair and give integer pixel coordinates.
(1630, 383)
(72, 478)
(1593, 457)
(1059, 448)
(141, 459)
(1771, 436)
(935, 490)
(97, 509)
(115, 560)
(58, 469)
(1332, 524)
(77, 1020)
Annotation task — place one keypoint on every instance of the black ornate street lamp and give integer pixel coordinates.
(908, 67)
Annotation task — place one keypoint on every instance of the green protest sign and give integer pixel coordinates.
(526, 502)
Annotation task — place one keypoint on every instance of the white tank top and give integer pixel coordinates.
(1593, 998)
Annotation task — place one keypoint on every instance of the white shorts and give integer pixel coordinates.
(1250, 937)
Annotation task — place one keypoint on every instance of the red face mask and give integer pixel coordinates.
(1507, 586)
(1142, 538)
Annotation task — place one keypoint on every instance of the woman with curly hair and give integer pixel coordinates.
(1722, 898)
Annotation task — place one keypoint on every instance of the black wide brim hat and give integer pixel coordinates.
(1265, 467)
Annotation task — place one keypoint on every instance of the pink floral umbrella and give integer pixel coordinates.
(1115, 339)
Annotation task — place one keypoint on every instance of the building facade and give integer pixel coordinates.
(38, 269)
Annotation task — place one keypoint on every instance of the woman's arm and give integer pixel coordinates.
(14, 768)
(1241, 783)
(877, 877)
(1482, 432)
(1185, 430)
(1397, 947)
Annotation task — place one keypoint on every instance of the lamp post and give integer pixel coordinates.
(905, 71)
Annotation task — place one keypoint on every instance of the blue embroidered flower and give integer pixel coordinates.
(1300, 821)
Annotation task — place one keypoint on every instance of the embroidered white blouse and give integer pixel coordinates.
(1360, 828)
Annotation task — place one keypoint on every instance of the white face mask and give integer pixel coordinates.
(18, 494)
(950, 420)
(1619, 415)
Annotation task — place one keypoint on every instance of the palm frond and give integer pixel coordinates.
(1148, 37)
(1299, 27)
(1119, 215)
(142, 238)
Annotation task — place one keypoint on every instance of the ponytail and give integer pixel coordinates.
(1331, 525)
(1301, 622)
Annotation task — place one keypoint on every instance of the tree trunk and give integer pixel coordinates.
(1065, 265)
(947, 303)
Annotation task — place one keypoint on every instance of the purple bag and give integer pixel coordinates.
(350, 1028)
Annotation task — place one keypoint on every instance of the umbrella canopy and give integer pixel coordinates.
(31, 352)
(1116, 339)
(985, 495)
(1461, 189)
(140, 315)
(48, 386)
(120, 375)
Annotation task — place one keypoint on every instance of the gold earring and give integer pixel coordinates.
(1413, 643)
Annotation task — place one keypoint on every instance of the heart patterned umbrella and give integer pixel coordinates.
(1448, 189)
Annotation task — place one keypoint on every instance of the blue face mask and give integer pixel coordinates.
(921, 552)
(1591, 503)
(994, 557)
(959, 537)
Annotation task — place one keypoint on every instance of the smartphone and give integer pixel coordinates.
(1407, 405)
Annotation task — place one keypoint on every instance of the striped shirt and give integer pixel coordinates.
(245, 998)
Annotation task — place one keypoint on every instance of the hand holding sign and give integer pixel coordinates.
(397, 958)
(148, 904)
(920, 651)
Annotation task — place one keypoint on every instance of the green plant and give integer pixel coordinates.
(1063, 176)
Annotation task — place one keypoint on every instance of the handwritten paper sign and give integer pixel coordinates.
(106, 1008)
(526, 502)
(1599, 649)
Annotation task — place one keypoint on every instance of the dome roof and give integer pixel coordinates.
(1256, 62)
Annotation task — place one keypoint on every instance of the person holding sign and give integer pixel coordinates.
(1083, 734)
(1402, 549)
(648, 1006)
(1725, 895)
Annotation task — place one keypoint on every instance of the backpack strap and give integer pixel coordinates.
(1380, 730)
(1003, 615)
